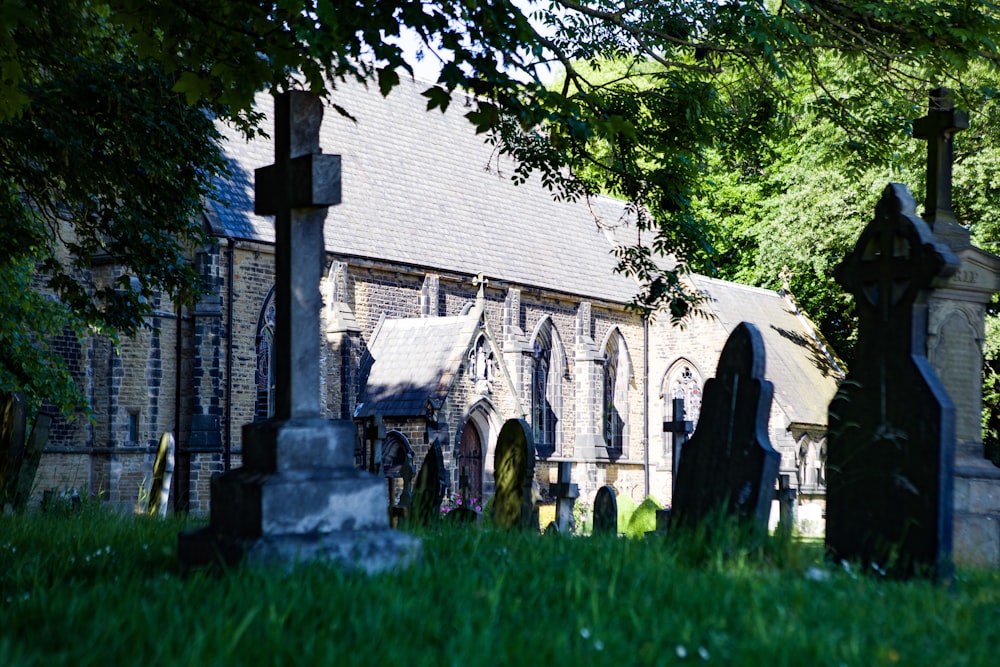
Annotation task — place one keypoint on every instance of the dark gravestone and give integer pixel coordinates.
(605, 512)
(427, 490)
(728, 465)
(514, 468)
(13, 424)
(565, 492)
(891, 440)
(298, 496)
(163, 473)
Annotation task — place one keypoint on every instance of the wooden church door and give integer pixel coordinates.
(470, 463)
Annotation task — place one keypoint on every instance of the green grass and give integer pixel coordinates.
(98, 589)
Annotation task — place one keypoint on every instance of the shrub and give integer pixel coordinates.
(643, 519)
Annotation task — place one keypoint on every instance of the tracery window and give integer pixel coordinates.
(546, 390)
(617, 374)
(264, 370)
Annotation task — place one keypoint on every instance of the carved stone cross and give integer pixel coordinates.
(938, 127)
(296, 189)
(679, 429)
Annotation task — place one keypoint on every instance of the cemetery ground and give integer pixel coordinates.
(96, 588)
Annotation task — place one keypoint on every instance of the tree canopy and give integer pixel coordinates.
(106, 106)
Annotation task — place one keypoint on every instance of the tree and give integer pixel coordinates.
(726, 73)
(99, 160)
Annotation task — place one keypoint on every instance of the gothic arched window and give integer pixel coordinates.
(546, 389)
(682, 381)
(617, 375)
(264, 371)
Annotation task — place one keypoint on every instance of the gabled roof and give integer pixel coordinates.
(421, 188)
(804, 372)
(410, 361)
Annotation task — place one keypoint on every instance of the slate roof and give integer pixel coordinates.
(412, 360)
(804, 373)
(422, 189)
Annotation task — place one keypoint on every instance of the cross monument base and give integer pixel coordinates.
(298, 498)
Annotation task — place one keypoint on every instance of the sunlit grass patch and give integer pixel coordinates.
(103, 589)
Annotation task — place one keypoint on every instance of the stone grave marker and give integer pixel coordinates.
(890, 452)
(605, 512)
(428, 490)
(13, 423)
(298, 496)
(728, 465)
(565, 492)
(514, 467)
(163, 473)
(956, 331)
(29, 463)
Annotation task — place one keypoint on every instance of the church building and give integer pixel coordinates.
(454, 300)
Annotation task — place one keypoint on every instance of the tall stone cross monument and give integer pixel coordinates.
(955, 334)
(297, 496)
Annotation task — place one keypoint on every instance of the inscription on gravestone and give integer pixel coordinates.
(729, 464)
(514, 466)
(891, 440)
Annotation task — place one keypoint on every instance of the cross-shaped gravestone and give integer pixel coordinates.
(891, 426)
(938, 127)
(297, 189)
(728, 465)
(298, 496)
(565, 492)
(678, 429)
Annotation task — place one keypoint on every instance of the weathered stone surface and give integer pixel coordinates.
(565, 492)
(514, 465)
(729, 463)
(298, 444)
(298, 496)
(892, 431)
(163, 472)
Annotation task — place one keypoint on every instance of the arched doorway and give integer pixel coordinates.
(470, 462)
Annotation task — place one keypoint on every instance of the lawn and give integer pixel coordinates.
(94, 588)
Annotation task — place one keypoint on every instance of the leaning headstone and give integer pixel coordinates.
(565, 492)
(427, 490)
(298, 496)
(729, 465)
(32, 456)
(163, 473)
(13, 423)
(890, 451)
(514, 467)
(605, 512)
